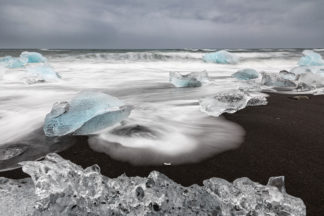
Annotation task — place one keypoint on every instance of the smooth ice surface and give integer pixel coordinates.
(311, 58)
(43, 74)
(221, 57)
(64, 188)
(194, 79)
(230, 102)
(87, 113)
(246, 74)
(33, 57)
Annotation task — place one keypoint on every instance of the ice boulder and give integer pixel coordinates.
(277, 81)
(194, 79)
(311, 58)
(221, 57)
(230, 101)
(13, 62)
(43, 74)
(246, 74)
(60, 187)
(87, 113)
(33, 57)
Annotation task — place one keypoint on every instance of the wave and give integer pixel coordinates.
(135, 56)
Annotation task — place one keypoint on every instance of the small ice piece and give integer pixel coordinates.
(221, 57)
(8, 152)
(194, 79)
(287, 75)
(275, 80)
(311, 58)
(246, 74)
(87, 113)
(43, 74)
(230, 102)
(33, 57)
(60, 187)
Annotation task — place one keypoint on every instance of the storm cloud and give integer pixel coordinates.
(161, 24)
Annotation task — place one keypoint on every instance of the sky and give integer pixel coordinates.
(141, 24)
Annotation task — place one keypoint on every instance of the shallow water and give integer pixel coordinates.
(169, 126)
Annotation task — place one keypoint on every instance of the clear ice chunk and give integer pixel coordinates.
(276, 80)
(287, 75)
(33, 57)
(87, 113)
(230, 102)
(246, 74)
(311, 58)
(42, 74)
(63, 188)
(221, 57)
(194, 79)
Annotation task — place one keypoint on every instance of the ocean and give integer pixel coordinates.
(166, 124)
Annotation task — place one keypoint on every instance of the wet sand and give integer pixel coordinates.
(283, 138)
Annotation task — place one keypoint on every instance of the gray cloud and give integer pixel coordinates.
(161, 23)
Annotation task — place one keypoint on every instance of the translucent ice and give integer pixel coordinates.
(87, 113)
(12, 62)
(33, 57)
(194, 79)
(246, 74)
(64, 188)
(42, 74)
(276, 80)
(311, 58)
(308, 69)
(230, 102)
(287, 75)
(221, 57)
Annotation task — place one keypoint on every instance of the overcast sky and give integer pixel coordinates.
(161, 23)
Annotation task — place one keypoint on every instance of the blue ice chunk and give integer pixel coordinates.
(311, 58)
(33, 57)
(246, 74)
(194, 79)
(221, 57)
(44, 73)
(87, 113)
(13, 62)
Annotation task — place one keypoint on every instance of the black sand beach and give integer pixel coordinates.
(283, 138)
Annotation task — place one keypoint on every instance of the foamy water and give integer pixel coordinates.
(177, 131)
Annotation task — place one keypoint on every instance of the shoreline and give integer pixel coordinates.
(282, 138)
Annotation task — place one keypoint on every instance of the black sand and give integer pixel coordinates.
(283, 138)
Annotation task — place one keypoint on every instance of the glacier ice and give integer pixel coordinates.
(221, 57)
(42, 74)
(194, 79)
(277, 80)
(311, 58)
(33, 57)
(230, 101)
(59, 187)
(87, 113)
(8, 152)
(287, 75)
(13, 62)
(246, 74)
(308, 69)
